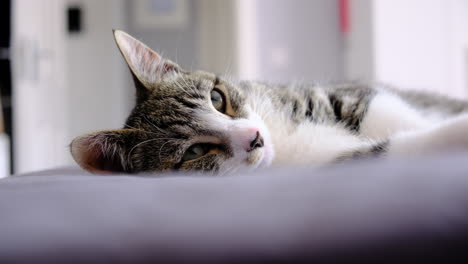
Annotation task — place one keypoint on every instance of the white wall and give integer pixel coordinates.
(101, 92)
(417, 44)
(292, 40)
(65, 85)
(458, 47)
(359, 42)
(177, 43)
(40, 116)
(412, 43)
(219, 36)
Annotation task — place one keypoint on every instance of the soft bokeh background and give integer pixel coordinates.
(67, 76)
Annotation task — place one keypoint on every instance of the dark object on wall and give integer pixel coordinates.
(5, 72)
(5, 8)
(74, 17)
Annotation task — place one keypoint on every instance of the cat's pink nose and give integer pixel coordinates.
(257, 142)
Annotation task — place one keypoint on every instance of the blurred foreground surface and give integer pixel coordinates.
(390, 211)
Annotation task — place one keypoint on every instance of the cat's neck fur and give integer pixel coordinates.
(292, 141)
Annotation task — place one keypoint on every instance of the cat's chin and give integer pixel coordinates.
(262, 157)
(268, 155)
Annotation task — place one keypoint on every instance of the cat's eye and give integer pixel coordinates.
(195, 151)
(218, 101)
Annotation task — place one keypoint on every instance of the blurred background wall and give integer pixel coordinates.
(97, 81)
(69, 78)
(299, 40)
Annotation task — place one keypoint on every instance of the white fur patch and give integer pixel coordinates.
(450, 135)
(306, 144)
(387, 114)
(313, 144)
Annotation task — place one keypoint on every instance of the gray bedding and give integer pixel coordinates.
(395, 211)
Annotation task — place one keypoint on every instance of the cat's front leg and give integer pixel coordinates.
(387, 115)
(448, 136)
(451, 135)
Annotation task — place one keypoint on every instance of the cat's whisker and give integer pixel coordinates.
(162, 146)
(139, 129)
(193, 85)
(190, 85)
(181, 87)
(186, 83)
(231, 170)
(228, 72)
(154, 126)
(184, 86)
(141, 143)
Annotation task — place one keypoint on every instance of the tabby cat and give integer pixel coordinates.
(200, 121)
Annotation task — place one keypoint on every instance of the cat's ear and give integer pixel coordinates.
(147, 66)
(104, 152)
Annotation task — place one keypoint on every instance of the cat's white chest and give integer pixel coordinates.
(310, 144)
(307, 143)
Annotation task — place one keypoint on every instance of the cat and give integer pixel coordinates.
(200, 121)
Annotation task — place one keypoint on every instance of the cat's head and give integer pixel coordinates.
(182, 120)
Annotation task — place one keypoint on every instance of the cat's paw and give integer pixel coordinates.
(451, 135)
